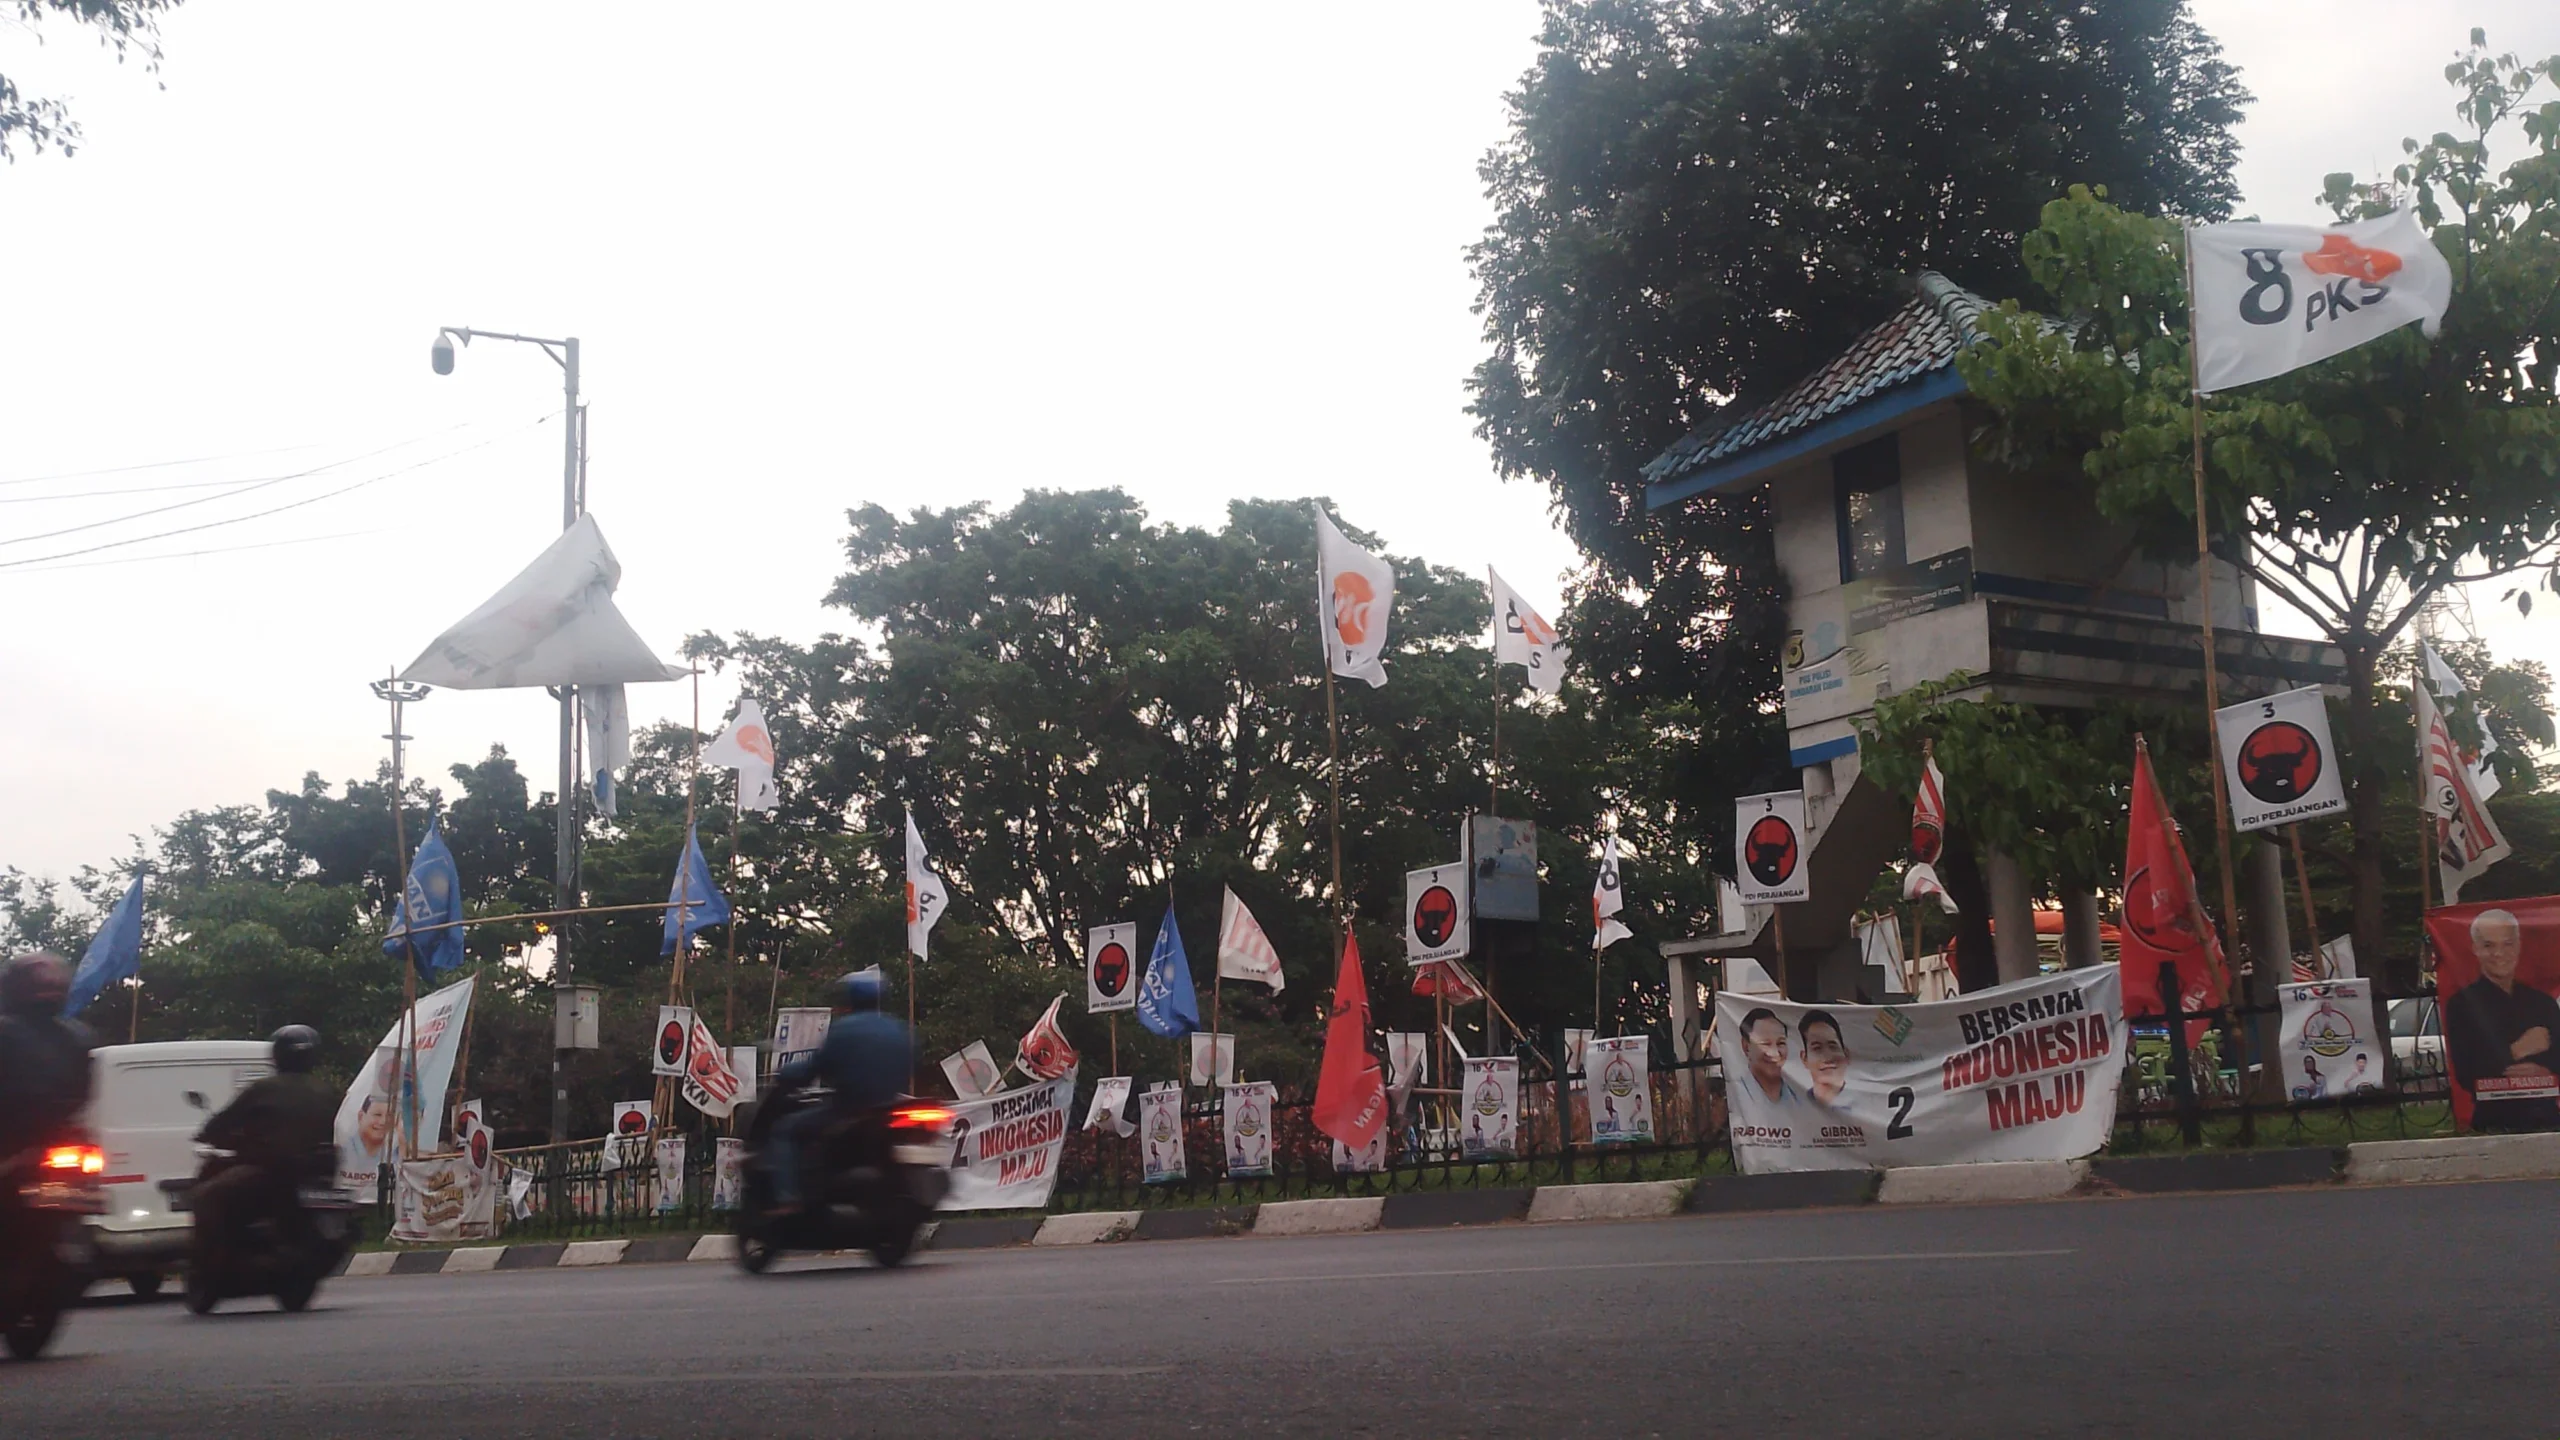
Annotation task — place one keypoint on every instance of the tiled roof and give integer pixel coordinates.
(1920, 340)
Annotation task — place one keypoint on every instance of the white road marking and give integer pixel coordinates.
(1884, 1259)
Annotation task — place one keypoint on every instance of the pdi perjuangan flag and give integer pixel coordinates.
(2026, 1071)
(116, 953)
(1492, 1103)
(1006, 1146)
(1247, 1122)
(2328, 1048)
(2273, 298)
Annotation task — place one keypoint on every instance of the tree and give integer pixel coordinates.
(127, 27)
(1702, 200)
(2357, 489)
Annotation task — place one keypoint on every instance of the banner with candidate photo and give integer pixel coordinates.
(1491, 1130)
(1005, 1147)
(670, 1174)
(1248, 1118)
(1160, 1136)
(2024, 1071)
(1619, 1097)
(2329, 1047)
(2497, 971)
(728, 1172)
(378, 1103)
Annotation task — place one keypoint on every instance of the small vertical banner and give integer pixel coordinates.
(670, 1174)
(1110, 1106)
(1435, 914)
(1620, 1095)
(1213, 1059)
(2328, 1046)
(1768, 843)
(1248, 1115)
(674, 1036)
(1160, 1121)
(1369, 1159)
(1110, 968)
(1492, 1091)
(728, 1172)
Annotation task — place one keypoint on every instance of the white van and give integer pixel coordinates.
(148, 1103)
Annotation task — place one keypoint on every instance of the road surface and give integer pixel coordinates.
(2318, 1312)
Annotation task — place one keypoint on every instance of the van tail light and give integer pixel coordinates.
(922, 1117)
(75, 1160)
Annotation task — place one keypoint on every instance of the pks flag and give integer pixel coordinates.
(926, 899)
(1244, 952)
(1608, 897)
(1355, 591)
(2273, 298)
(972, 1071)
(2163, 920)
(433, 897)
(1167, 1005)
(2450, 689)
(2467, 840)
(1928, 837)
(115, 955)
(1351, 1089)
(747, 747)
(1521, 636)
(1044, 1054)
(694, 904)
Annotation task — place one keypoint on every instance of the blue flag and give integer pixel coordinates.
(434, 897)
(115, 955)
(1167, 1004)
(694, 904)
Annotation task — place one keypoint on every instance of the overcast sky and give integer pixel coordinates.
(834, 255)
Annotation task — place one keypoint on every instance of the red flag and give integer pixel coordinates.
(1044, 1054)
(1449, 978)
(2163, 921)
(1351, 1090)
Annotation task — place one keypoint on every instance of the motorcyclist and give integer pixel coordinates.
(865, 1061)
(274, 1128)
(44, 1059)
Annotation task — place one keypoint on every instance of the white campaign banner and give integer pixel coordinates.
(728, 1172)
(1493, 1108)
(799, 1030)
(442, 1198)
(2274, 298)
(1367, 1160)
(1620, 1100)
(2025, 1071)
(369, 1117)
(1213, 1059)
(2328, 1047)
(2277, 759)
(1006, 1146)
(1249, 1109)
(1160, 1123)
(1768, 836)
(1110, 1106)
(670, 1174)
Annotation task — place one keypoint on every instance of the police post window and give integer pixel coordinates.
(1867, 491)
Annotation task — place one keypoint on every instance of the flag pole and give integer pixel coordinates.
(408, 943)
(133, 1024)
(1493, 805)
(2302, 878)
(2204, 592)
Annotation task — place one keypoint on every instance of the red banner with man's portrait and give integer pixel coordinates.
(2497, 976)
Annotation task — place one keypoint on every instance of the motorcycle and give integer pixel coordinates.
(46, 1193)
(286, 1252)
(870, 1180)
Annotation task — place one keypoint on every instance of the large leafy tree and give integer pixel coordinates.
(1702, 200)
(126, 27)
(2356, 490)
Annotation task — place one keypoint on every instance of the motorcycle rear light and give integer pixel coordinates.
(81, 1159)
(922, 1116)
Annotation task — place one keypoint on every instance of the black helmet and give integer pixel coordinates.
(858, 992)
(35, 985)
(296, 1047)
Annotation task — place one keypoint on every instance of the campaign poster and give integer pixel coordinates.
(1213, 1059)
(673, 1037)
(1768, 835)
(2024, 1071)
(2497, 968)
(1435, 914)
(1110, 963)
(369, 1116)
(1160, 1134)
(2328, 1047)
(628, 1133)
(1248, 1128)
(728, 1172)
(798, 1032)
(1619, 1097)
(1492, 1101)
(435, 1202)
(2278, 765)
(1005, 1147)
(670, 1174)
(1369, 1159)
(1110, 1106)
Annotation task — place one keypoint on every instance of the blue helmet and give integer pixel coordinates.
(858, 992)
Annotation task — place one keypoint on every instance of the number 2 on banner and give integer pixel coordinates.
(1896, 1128)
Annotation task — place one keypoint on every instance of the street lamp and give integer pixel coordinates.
(564, 884)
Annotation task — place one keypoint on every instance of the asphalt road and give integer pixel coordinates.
(2376, 1312)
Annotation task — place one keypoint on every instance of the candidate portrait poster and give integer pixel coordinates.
(371, 1113)
(1491, 1130)
(1160, 1136)
(2329, 1048)
(1248, 1111)
(2497, 970)
(2025, 1071)
(1619, 1097)
(1006, 1146)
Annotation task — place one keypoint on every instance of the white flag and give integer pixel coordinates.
(1523, 637)
(1213, 1059)
(1607, 899)
(2450, 689)
(607, 711)
(1244, 952)
(747, 747)
(1928, 838)
(925, 895)
(1355, 593)
(2468, 841)
(972, 1072)
(2273, 298)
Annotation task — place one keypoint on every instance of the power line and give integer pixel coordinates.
(128, 490)
(212, 550)
(151, 465)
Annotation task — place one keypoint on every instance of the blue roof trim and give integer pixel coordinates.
(1943, 384)
(1833, 749)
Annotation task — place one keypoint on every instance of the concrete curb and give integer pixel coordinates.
(714, 1247)
(1347, 1216)
(372, 1262)
(1196, 1224)
(2462, 1157)
(593, 1252)
(1087, 1227)
(1623, 1200)
(1996, 1180)
(470, 1262)
(1429, 1209)
(2213, 1171)
(1787, 1190)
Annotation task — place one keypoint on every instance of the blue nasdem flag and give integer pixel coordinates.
(1167, 1004)
(434, 897)
(115, 955)
(693, 902)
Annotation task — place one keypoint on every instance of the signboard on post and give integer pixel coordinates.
(2277, 761)
(1435, 914)
(1110, 968)
(1768, 839)
(1503, 873)
(674, 1040)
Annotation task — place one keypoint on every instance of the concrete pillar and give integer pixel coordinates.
(2080, 947)
(2013, 917)
(2262, 909)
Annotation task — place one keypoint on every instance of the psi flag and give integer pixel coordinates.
(1110, 968)
(1355, 591)
(674, 1034)
(2328, 1048)
(1620, 1101)
(926, 899)
(1044, 1053)
(1435, 913)
(972, 1071)
(1928, 837)
(1608, 897)
(2277, 760)
(747, 747)
(1522, 637)
(1768, 839)
(2163, 921)
(2467, 840)
(1249, 1109)
(1492, 1100)
(1160, 1120)
(2273, 298)
(1244, 952)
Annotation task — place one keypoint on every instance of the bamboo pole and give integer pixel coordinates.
(408, 947)
(462, 1062)
(133, 1023)
(2302, 878)
(1493, 805)
(2204, 621)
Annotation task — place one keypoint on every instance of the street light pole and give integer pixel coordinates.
(564, 882)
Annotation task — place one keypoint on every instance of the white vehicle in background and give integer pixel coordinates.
(147, 1104)
(2417, 1043)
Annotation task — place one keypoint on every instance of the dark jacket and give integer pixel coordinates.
(866, 1059)
(275, 1123)
(2481, 1026)
(44, 1079)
